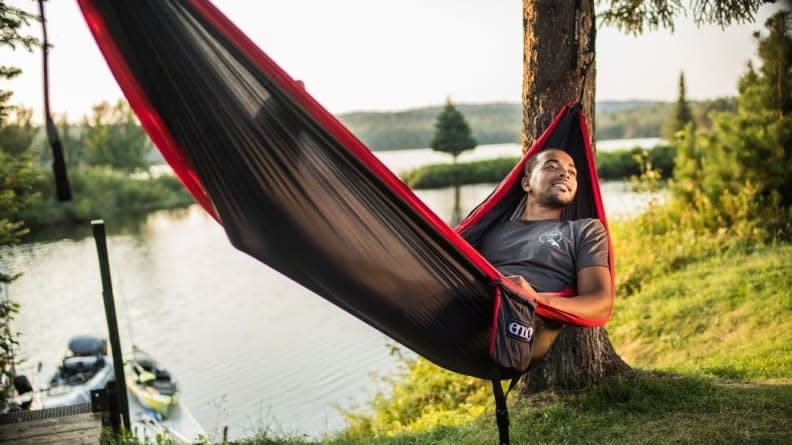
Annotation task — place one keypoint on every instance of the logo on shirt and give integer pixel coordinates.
(552, 237)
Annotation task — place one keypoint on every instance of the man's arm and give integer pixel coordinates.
(594, 299)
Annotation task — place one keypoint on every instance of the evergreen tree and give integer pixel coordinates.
(452, 132)
(775, 51)
(11, 21)
(16, 166)
(747, 156)
(682, 114)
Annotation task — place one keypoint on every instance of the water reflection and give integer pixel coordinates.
(132, 224)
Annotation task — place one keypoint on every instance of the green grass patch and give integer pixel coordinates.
(727, 316)
(653, 408)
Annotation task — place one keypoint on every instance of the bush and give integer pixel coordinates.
(685, 230)
(623, 164)
(423, 396)
(99, 192)
(446, 175)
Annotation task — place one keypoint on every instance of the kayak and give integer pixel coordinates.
(150, 384)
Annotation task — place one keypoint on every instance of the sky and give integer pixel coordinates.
(358, 55)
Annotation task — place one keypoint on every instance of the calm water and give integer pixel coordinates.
(400, 160)
(229, 328)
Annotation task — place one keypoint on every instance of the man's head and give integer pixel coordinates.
(550, 178)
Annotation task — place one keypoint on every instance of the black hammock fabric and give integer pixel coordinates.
(296, 190)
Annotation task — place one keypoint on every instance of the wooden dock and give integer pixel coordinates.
(75, 424)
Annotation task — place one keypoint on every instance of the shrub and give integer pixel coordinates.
(422, 396)
(446, 175)
(99, 192)
(621, 164)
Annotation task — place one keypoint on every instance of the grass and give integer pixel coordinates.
(653, 408)
(725, 316)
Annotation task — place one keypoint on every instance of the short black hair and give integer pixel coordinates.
(530, 164)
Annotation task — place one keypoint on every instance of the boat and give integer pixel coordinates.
(85, 367)
(155, 407)
(180, 426)
(155, 412)
(150, 384)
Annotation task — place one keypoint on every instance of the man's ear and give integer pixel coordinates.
(526, 184)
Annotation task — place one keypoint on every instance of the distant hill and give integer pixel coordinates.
(498, 123)
(632, 119)
(493, 123)
(610, 106)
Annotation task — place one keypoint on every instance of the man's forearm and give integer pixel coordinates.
(595, 295)
(593, 306)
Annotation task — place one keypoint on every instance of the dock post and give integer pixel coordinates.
(112, 324)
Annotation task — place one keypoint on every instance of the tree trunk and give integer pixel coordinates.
(559, 68)
(558, 47)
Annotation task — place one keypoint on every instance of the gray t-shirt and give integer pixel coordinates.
(547, 253)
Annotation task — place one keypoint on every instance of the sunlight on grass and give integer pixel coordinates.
(728, 316)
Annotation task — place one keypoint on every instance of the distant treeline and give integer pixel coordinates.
(498, 123)
(615, 165)
(494, 123)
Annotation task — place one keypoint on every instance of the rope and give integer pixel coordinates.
(63, 190)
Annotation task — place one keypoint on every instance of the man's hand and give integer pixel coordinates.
(519, 280)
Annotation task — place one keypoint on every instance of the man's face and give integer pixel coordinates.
(553, 182)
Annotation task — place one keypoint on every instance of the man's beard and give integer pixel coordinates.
(554, 201)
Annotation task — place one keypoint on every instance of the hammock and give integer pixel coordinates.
(295, 189)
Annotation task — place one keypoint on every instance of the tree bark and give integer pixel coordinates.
(558, 47)
(559, 68)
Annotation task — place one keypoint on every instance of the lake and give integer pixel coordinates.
(401, 160)
(221, 322)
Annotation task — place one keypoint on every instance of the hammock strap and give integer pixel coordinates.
(501, 409)
(63, 190)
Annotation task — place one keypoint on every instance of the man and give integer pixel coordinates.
(541, 253)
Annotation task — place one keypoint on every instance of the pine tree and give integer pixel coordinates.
(747, 156)
(760, 135)
(452, 132)
(16, 166)
(682, 115)
(775, 51)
